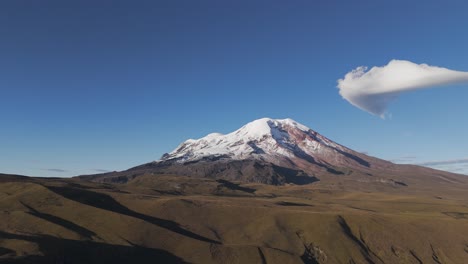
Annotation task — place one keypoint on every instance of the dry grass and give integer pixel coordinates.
(171, 219)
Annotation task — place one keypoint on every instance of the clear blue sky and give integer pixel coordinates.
(88, 86)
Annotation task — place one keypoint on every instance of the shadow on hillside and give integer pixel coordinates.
(106, 202)
(56, 250)
(83, 232)
(355, 158)
(234, 186)
(295, 176)
(283, 203)
(368, 254)
(6, 251)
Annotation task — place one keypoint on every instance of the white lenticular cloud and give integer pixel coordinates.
(373, 90)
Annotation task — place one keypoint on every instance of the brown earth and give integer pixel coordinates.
(400, 218)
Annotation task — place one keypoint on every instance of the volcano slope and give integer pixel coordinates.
(277, 152)
(180, 219)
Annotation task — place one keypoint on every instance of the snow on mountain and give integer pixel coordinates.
(277, 152)
(264, 139)
(270, 151)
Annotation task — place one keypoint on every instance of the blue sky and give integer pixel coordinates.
(89, 86)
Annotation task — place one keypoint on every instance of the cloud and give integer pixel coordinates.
(455, 165)
(373, 90)
(55, 170)
(404, 159)
(444, 162)
(101, 170)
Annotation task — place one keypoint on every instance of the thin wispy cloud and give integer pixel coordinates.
(372, 90)
(443, 162)
(454, 165)
(404, 159)
(55, 170)
(101, 170)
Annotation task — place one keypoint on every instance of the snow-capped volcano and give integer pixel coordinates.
(273, 151)
(279, 141)
(261, 138)
(277, 152)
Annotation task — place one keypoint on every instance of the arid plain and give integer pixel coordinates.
(177, 219)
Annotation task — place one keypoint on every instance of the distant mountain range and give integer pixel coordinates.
(276, 152)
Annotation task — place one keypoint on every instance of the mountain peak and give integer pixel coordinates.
(267, 126)
(265, 139)
(266, 150)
